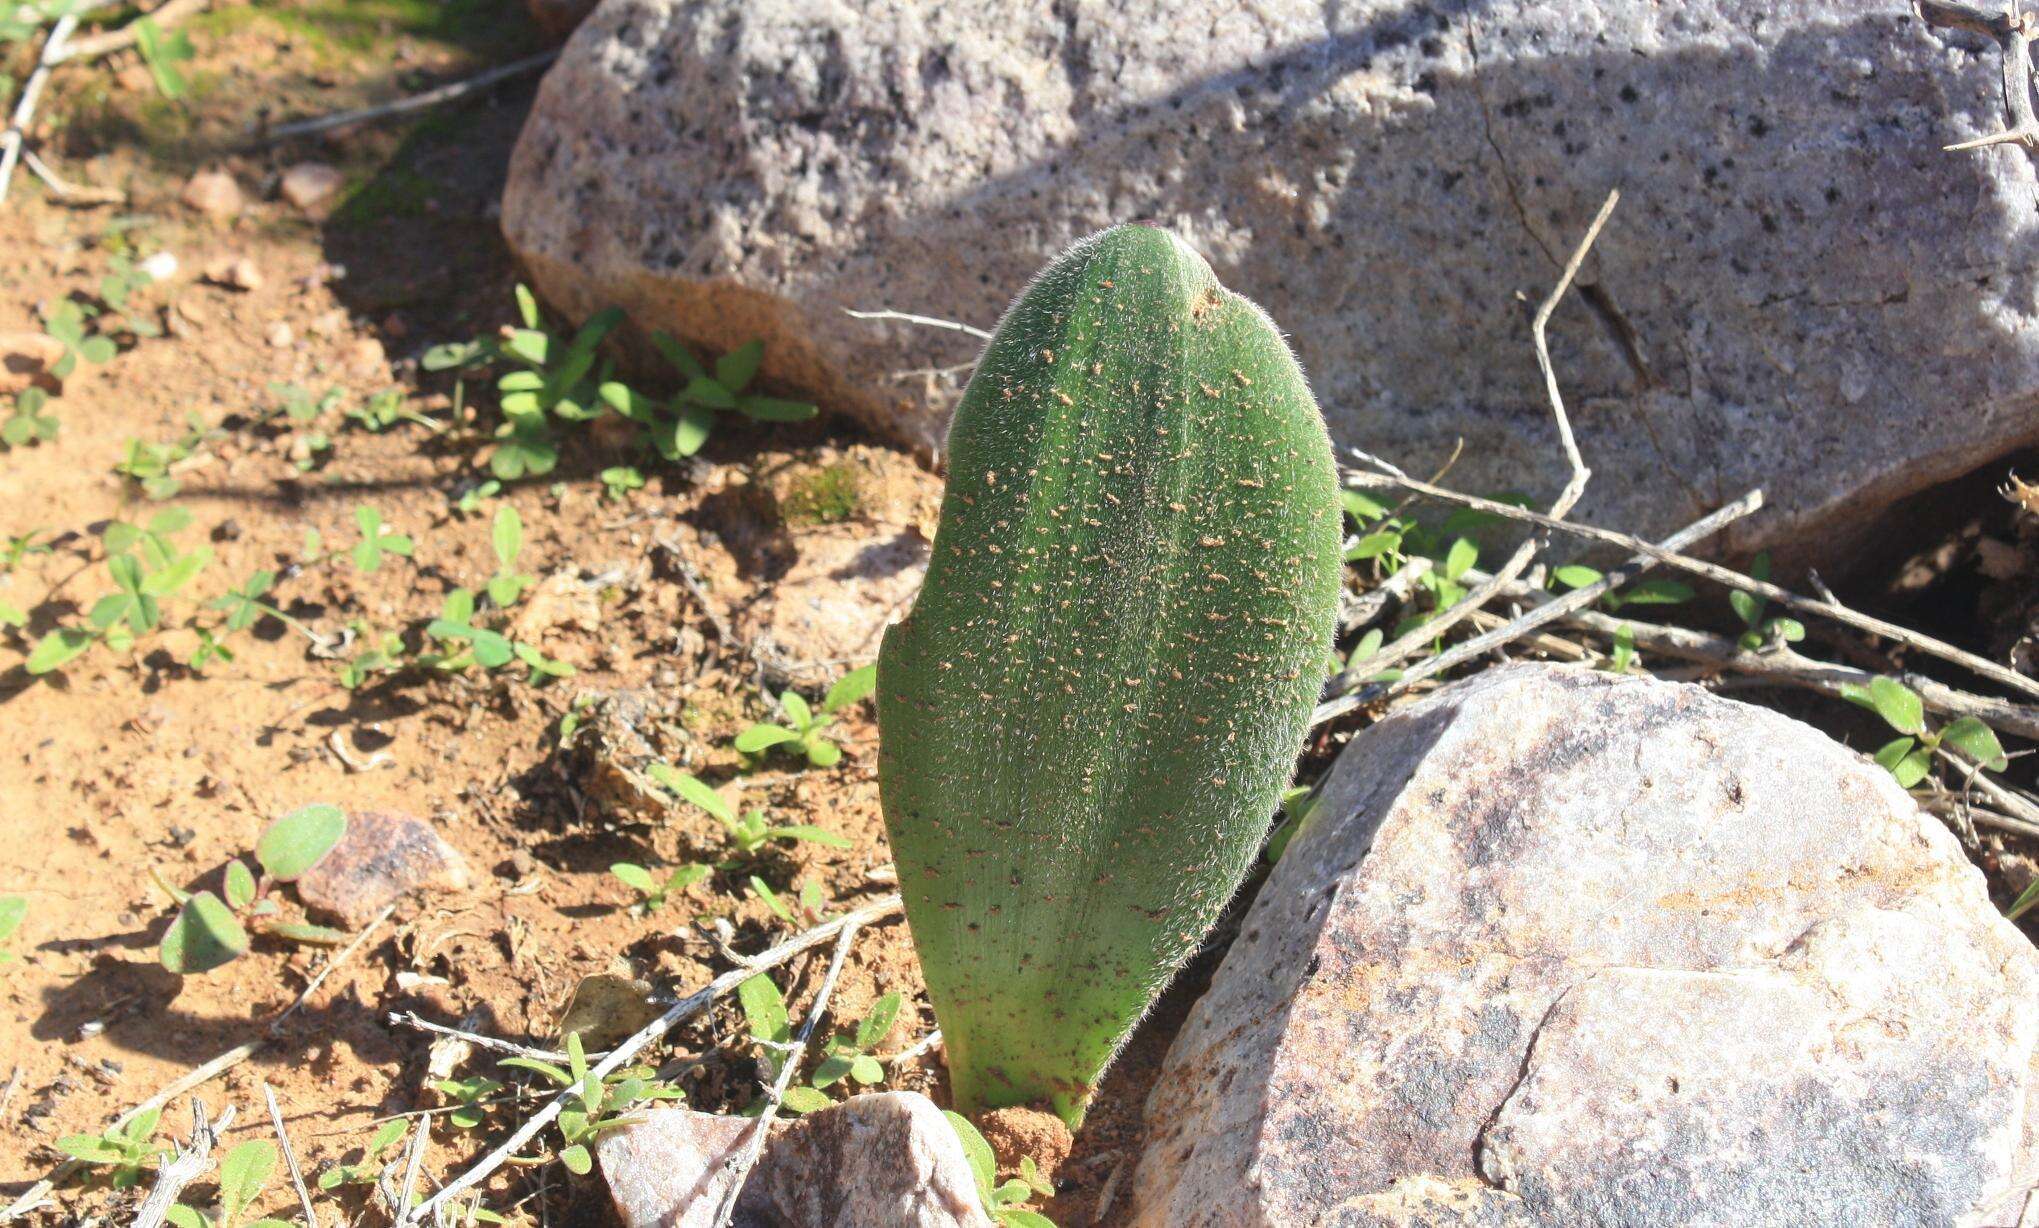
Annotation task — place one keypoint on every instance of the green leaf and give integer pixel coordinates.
(867, 1070)
(1898, 705)
(1978, 741)
(635, 876)
(803, 1100)
(242, 1174)
(832, 1070)
(13, 911)
(1656, 592)
(58, 648)
(240, 884)
(764, 1007)
(308, 935)
(1905, 760)
(204, 936)
(773, 409)
(709, 393)
(507, 536)
(2023, 904)
(682, 358)
(185, 1217)
(1573, 575)
(736, 369)
(300, 840)
(97, 350)
(978, 1152)
(1460, 558)
(693, 790)
(761, 737)
(1747, 606)
(527, 307)
(879, 1021)
(90, 1148)
(545, 1068)
(796, 708)
(1375, 544)
(823, 753)
(577, 1160)
(1016, 1218)
(690, 430)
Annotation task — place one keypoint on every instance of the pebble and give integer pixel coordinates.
(214, 193)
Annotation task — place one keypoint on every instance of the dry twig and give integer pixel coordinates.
(304, 1196)
(1515, 628)
(1727, 576)
(16, 134)
(407, 106)
(686, 1008)
(2013, 32)
(186, 1166)
(925, 321)
(410, 1019)
(789, 1063)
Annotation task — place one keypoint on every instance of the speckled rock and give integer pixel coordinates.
(1559, 948)
(825, 614)
(885, 1159)
(1799, 291)
(383, 857)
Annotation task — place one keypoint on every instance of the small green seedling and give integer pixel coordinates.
(387, 408)
(163, 50)
(602, 1103)
(1645, 592)
(66, 323)
(31, 421)
(146, 567)
(470, 1095)
(681, 427)
(764, 1012)
(19, 547)
(802, 734)
(620, 480)
(470, 644)
(127, 1151)
(13, 911)
(507, 538)
(748, 834)
(1909, 757)
(243, 1174)
(376, 541)
(655, 893)
(471, 498)
(383, 654)
(850, 1057)
(208, 930)
(373, 1158)
(1761, 632)
(1003, 1201)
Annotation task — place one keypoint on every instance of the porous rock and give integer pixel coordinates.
(1800, 290)
(381, 858)
(887, 1158)
(1562, 948)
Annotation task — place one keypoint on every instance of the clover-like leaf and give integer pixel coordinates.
(300, 840)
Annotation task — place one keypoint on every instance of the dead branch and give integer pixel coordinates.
(775, 1093)
(410, 1019)
(407, 106)
(1575, 485)
(686, 1008)
(188, 1165)
(1833, 610)
(924, 321)
(1515, 628)
(2013, 32)
(16, 134)
(304, 1196)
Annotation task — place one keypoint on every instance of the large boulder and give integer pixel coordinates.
(1800, 291)
(1560, 948)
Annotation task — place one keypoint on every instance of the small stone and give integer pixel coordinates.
(278, 334)
(365, 357)
(25, 360)
(214, 193)
(888, 1158)
(234, 272)
(1560, 947)
(161, 266)
(328, 323)
(846, 583)
(308, 183)
(381, 858)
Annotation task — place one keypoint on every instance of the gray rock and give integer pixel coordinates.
(1559, 948)
(845, 583)
(1800, 290)
(383, 857)
(886, 1159)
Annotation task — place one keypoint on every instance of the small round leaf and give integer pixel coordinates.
(300, 840)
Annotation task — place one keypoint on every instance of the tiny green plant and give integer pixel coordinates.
(146, 567)
(506, 536)
(20, 547)
(681, 427)
(849, 1057)
(374, 1157)
(1645, 592)
(1759, 630)
(13, 911)
(163, 50)
(1909, 756)
(470, 1096)
(764, 1013)
(471, 498)
(619, 480)
(126, 1152)
(208, 930)
(385, 409)
(602, 1104)
(654, 892)
(1002, 1201)
(153, 467)
(377, 541)
(31, 421)
(747, 834)
(802, 734)
(66, 322)
(244, 1173)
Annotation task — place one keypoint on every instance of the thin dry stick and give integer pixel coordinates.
(406, 106)
(1787, 665)
(304, 1196)
(31, 93)
(409, 1019)
(925, 321)
(1727, 576)
(686, 1008)
(419, 1138)
(1412, 643)
(918, 1048)
(78, 194)
(1577, 599)
(789, 1062)
(203, 1074)
(2013, 32)
(1365, 609)
(187, 1166)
